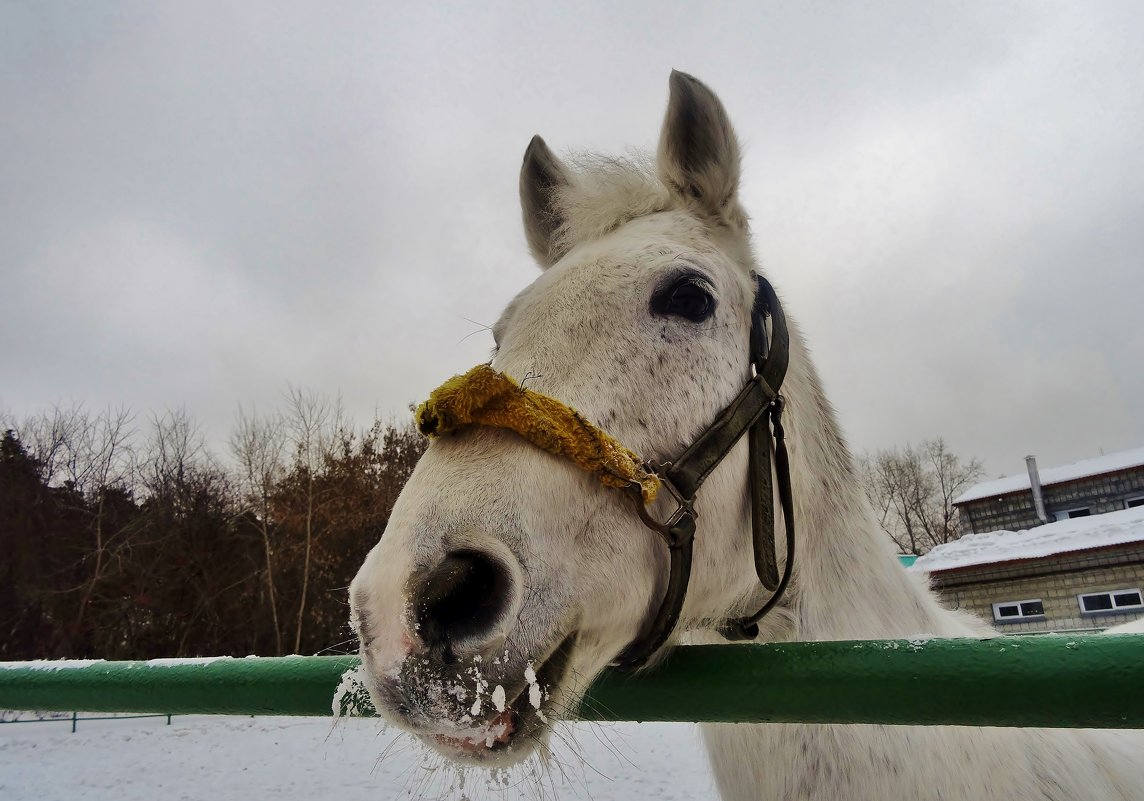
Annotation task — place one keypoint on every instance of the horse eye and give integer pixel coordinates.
(688, 299)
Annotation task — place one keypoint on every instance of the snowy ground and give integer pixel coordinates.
(218, 758)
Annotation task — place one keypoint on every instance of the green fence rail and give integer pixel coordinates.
(1050, 680)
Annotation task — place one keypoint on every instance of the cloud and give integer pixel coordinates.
(201, 203)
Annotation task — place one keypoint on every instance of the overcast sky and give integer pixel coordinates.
(203, 203)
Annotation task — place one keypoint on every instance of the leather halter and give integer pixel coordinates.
(757, 414)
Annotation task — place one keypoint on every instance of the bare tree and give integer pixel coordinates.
(913, 489)
(258, 445)
(315, 423)
(91, 455)
(50, 437)
(104, 465)
(893, 480)
(75, 448)
(174, 446)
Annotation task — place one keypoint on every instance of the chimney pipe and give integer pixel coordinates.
(1035, 484)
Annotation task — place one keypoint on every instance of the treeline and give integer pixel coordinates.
(131, 541)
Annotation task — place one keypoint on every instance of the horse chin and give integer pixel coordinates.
(504, 725)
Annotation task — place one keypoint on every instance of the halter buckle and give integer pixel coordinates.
(679, 529)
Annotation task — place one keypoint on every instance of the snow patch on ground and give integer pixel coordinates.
(1078, 534)
(220, 758)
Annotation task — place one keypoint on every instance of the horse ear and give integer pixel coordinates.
(541, 175)
(698, 152)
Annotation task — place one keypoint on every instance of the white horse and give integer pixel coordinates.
(507, 578)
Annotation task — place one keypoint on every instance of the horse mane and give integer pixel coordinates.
(605, 192)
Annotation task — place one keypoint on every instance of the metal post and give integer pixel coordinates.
(1035, 488)
(1047, 680)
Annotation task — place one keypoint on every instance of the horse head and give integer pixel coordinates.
(507, 578)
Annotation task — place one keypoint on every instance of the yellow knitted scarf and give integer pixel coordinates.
(486, 397)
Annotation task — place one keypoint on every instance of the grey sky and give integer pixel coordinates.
(203, 202)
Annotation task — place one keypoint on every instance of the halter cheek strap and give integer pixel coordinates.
(757, 414)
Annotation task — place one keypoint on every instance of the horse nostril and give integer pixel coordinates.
(461, 599)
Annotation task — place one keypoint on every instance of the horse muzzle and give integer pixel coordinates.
(480, 711)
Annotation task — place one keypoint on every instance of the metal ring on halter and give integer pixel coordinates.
(674, 534)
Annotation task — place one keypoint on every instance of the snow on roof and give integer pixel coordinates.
(1077, 534)
(1099, 465)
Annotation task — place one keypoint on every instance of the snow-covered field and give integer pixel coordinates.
(218, 758)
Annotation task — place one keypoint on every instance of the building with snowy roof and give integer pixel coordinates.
(1075, 574)
(1036, 497)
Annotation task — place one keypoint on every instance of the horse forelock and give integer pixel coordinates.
(605, 193)
(608, 191)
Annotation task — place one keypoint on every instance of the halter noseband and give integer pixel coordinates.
(757, 413)
(484, 396)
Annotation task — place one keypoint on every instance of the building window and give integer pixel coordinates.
(1019, 611)
(1132, 503)
(1069, 514)
(1111, 602)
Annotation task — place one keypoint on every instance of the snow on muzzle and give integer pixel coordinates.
(476, 708)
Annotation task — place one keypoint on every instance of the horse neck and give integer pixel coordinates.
(848, 582)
